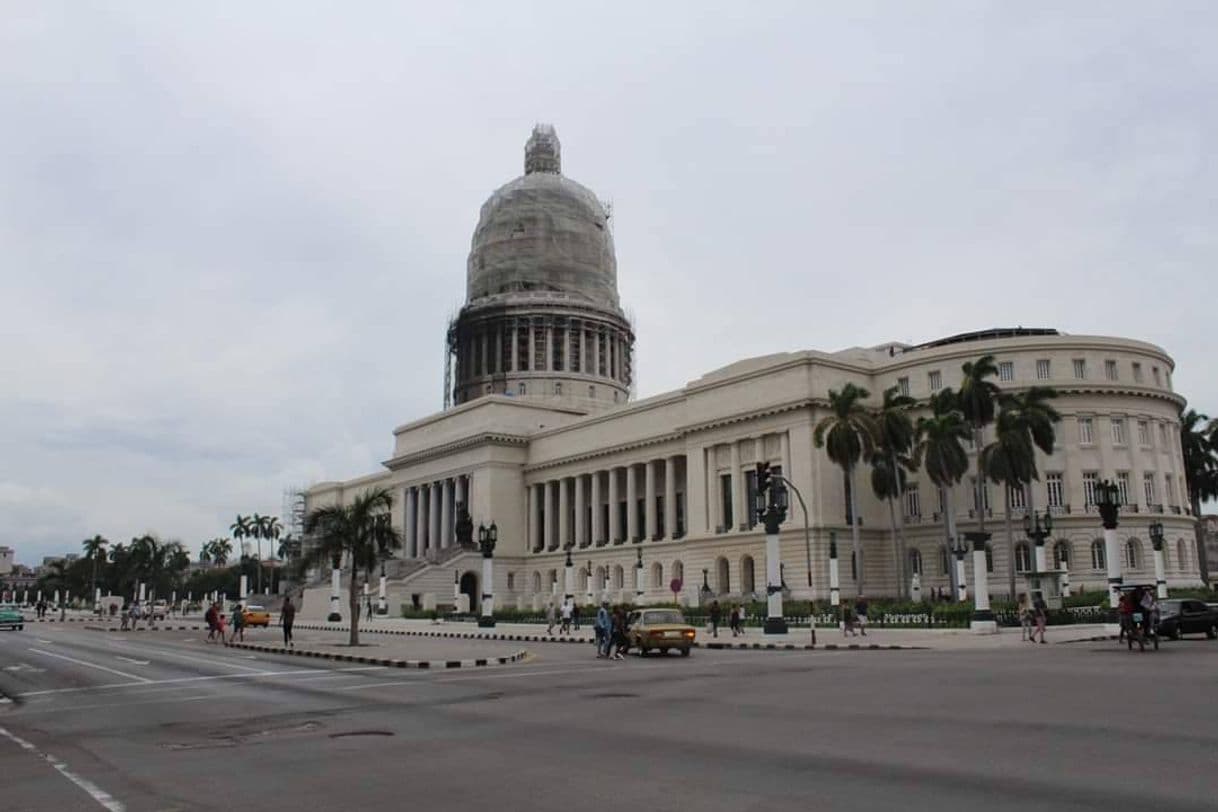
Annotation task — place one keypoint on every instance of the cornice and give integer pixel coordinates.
(488, 438)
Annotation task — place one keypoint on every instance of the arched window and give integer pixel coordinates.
(581, 579)
(558, 387)
(678, 571)
(619, 577)
(1098, 559)
(915, 561)
(854, 569)
(1133, 554)
(1023, 558)
(1061, 555)
(552, 580)
(536, 581)
(657, 576)
(748, 582)
(511, 582)
(989, 558)
(1181, 554)
(524, 389)
(602, 579)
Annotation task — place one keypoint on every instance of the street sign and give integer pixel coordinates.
(675, 586)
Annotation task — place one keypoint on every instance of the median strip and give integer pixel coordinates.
(387, 662)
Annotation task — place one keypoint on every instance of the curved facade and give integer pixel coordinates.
(542, 319)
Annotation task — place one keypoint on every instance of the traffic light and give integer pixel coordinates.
(763, 477)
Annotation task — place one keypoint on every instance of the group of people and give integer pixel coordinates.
(1139, 612)
(132, 613)
(854, 617)
(568, 614)
(735, 619)
(1033, 615)
(218, 624)
(612, 630)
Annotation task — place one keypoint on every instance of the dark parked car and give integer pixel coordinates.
(1186, 616)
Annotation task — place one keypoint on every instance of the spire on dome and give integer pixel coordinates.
(543, 152)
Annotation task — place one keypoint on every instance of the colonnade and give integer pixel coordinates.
(634, 502)
(431, 514)
(544, 344)
(720, 517)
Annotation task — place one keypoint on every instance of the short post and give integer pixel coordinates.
(487, 538)
(568, 579)
(1156, 539)
(982, 621)
(591, 597)
(242, 593)
(640, 575)
(835, 588)
(382, 599)
(961, 581)
(336, 588)
(1108, 497)
(97, 600)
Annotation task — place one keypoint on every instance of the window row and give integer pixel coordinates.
(1055, 492)
(1044, 372)
(1132, 557)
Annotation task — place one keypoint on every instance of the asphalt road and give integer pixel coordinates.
(161, 721)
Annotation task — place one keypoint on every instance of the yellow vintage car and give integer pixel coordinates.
(257, 616)
(660, 630)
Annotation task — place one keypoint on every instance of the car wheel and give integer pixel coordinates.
(1175, 633)
(1211, 632)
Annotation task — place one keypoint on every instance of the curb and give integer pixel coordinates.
(160, 628)
(480, 662)
(542, 638)
(1098, 639)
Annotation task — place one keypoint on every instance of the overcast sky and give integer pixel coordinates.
(232, 234)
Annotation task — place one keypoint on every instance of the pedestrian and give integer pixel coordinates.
(1125, 615)
(600, 628)
(125, 619)
(136, 612)
(287, 616)
(238, 624)
(1025, 616)
(575, 615)
(368, 608)
(734, 620)
(566, 617)
(1040, 611)
(860, 611)
(621, 642)
(550, 618)
(212, 618)
(848, 620)
(715, 614)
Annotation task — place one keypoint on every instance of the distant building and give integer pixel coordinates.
(1210, 531)
(6, 560)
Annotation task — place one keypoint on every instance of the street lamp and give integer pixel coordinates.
(1156, 540)
(1108, 501)
(1038, 527)
(488, 537)
(640, 574)
(773, 500)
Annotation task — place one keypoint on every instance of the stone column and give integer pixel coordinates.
(513, 349)
(1160, 579)
(433, 517)
(649, 497)
(564, 512)
(714, 502)
(670, 497)
(566, 348)
(784, 454)
(420, 513)
(534, 521)
(581, 528)
(615, 521)
(583, 352)
(532, 359)
(549, 365)
(487, 367)
(459, 491)
(632, 497)
(412, 538)
(1112, 555)
(598, 531)
(446, 513)
(738, 514)
(548, 515)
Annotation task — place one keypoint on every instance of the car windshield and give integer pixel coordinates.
(663, 617)
(253, 608)
(1169, 608)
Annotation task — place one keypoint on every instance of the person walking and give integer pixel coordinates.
(848, 620)
(550, 618)
(287, 616)
(1025, 616)
(238, 624)
(575, 615)
(125, 619)
(715, 615)
(734, 620)
(1040, 611)
(600, 628)
(860, 611)
(212, 618)
(566, 617)
(621, 642)
(368, 608)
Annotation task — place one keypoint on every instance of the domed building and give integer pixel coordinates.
(597, 496)
(541, 318)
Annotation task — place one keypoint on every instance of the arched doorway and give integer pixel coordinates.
(469, 586)
(747, 580)
(723, 581)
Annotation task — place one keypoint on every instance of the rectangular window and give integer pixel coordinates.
(1042, 370)
(1169, 381)
(903, 386)
(1163, 436)
(1006, 371)
(1080, 368)
(1148, 488)
(1053, 484)
(560, 348)
(1118, 431)
(1090, 480)
(1017, 497)
(1086, 434)
(539, 348)
(750, 495)
(1110, 370)
(935, 379)
(725, 497)
(913, 505)
(1169, 490)
(577, 349)
(1143, 433)
(680, 514)
(522, 349)
(1137, 372)
(1123, 486)
(1154, 372)
(980, 495)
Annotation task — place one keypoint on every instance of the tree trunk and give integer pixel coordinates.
(1006, 506)
(949, 524)
(896, 549)
(353, 601)
(854, 535)
(1203, 563)
(979, 497)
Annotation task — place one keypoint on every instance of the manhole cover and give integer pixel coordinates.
(350, 733)
(612, 695)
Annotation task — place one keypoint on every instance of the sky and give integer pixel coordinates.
(232, 234)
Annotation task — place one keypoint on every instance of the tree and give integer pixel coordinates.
(1198, 436)
(977, 400)
(242, 528)
(1025, 423)
(940, 447)
(221, 549)
(890, 465)
(360, 532)
(95, 551)
(848, 433)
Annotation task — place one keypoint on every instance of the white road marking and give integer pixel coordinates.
(73, 708)
(48, 642)
(135, 677)
(379, 685)
(98, 794)
(318, 672)
(193, 658)
(129, 660)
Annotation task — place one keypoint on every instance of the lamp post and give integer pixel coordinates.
(705, 591)
(1108, 500)
(588, 580)
(958, 551)
(771, 505)
(335, 615)
(1156, 539)
(835, 587)
(640, 585)
(487, 538)
(568, 578)
(1038, 527)
(382, 601)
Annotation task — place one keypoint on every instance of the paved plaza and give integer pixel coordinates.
(164, 721)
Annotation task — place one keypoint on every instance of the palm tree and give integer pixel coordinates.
(242, 528)
(1197, 443)
(977, 401)
(289, 546)
(95, 550)
(848, 433)
(360, 532)
(889, 468)
(1025, 423)
(221, 549)
(940, 447)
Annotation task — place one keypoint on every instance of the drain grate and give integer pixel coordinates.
(349, 733)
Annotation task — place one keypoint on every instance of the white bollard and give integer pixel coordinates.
(983, 619)
(336, 589)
